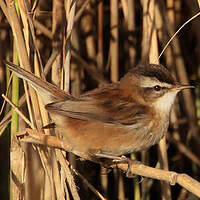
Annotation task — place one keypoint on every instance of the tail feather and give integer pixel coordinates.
(47, 91)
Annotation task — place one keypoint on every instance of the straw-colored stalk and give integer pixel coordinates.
(114, 48)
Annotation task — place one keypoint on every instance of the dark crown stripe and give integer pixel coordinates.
(152, 70)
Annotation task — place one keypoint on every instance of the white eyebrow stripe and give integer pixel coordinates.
(151, 82)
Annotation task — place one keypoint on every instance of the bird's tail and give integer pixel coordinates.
(47, 91)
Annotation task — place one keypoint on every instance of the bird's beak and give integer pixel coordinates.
(182, 87)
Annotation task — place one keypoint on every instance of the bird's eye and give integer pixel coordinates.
(157, 88)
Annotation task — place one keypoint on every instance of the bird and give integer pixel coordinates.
(119, 118)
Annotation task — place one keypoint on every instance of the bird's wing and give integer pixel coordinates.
(105, 105)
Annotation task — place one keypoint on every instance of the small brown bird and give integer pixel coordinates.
(120, 118)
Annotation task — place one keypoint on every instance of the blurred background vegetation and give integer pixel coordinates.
(84, 44)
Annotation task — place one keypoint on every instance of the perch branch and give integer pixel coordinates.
(172, 177)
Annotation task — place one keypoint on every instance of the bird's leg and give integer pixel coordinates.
(104, 155)
(118, 160)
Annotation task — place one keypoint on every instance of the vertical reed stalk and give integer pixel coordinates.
(114, 46)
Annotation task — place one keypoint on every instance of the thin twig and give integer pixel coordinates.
(18, 111)
(85, 181)
(81, 10)
(70, 179)
(175, 34)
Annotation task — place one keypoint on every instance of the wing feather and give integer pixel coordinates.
(103, 104)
